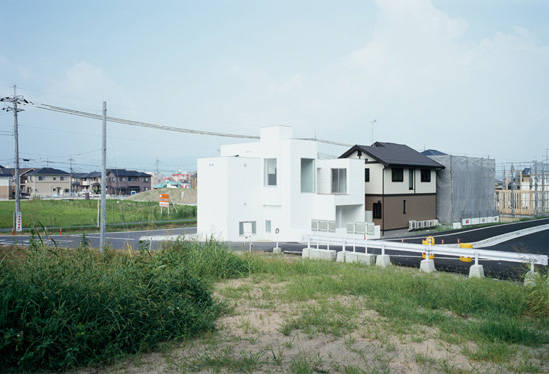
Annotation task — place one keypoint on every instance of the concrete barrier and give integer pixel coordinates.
(322, 254)
(383, 261)
(427, 266)
(362, 258)
(476, 271)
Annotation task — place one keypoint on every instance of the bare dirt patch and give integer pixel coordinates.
(253, 339)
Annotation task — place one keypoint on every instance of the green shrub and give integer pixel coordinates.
(63, 309)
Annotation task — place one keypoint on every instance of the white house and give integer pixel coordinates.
(276, 183)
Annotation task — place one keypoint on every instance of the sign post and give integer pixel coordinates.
(18, 222)
(164, 202)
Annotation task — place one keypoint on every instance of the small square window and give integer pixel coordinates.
(398, 174)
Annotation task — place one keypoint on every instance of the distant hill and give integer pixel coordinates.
(177, 195)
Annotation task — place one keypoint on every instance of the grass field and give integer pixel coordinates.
(274, 314)
(65, 213)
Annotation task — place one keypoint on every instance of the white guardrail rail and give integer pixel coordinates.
(476, 254)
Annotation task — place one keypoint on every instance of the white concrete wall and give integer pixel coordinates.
(426, 187)
(375, 185)
(231, 189)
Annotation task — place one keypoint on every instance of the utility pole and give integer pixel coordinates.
(513, 189)
(14, 101)
(536, 198)
(70, 161)
(157, 176)
(103, 223)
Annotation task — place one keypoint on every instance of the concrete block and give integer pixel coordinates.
(530, 278)
(306, 252)
(476, 271)
(427, 266)
(363, 258)
(277, 250)
(342, 256)
(322, 254)
(383, 261)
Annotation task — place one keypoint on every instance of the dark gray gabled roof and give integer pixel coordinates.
(127, 173)
(394, 155)
(48, 171)
(5, 172)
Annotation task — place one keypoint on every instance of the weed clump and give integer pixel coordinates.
(62, 309)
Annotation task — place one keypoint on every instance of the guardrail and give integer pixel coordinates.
(476, 254)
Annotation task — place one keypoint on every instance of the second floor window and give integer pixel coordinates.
(425, 175)
(398, 174)
(366, 175)
(270, 172)
(339, 180)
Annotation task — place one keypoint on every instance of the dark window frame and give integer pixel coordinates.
(376, 210)
(397, 174)
(366, 174)
(425, 175)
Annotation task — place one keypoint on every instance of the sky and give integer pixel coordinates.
(464, 77)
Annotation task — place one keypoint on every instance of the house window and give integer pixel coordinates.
(268, 226)
(61, 178)
(40, 178)
(270, 172)
(411, 179)
(339, 180)
(366, 175)
(403, 206)
(398, 174)
(425, 175)
(54, 178)
(146, 179)
(377, 210)
(245, 227)
(66, 190)
(307, 175)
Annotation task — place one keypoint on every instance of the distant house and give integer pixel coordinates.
(5, 183)
(24, 186)
(400, 184)
(124, 182)
(87, 182)
(48, 182)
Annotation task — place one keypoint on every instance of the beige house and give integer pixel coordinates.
(400, 184)
(49, 182)
(5, 183)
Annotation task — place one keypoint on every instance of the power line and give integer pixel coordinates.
(141, 124)
(166, 128)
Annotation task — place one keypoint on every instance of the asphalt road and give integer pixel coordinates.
(116, 240)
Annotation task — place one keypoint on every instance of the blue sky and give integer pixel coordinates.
(464, 77)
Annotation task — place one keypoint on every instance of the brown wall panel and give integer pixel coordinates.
(418, 207)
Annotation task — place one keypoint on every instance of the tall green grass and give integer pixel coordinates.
(63, 309)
